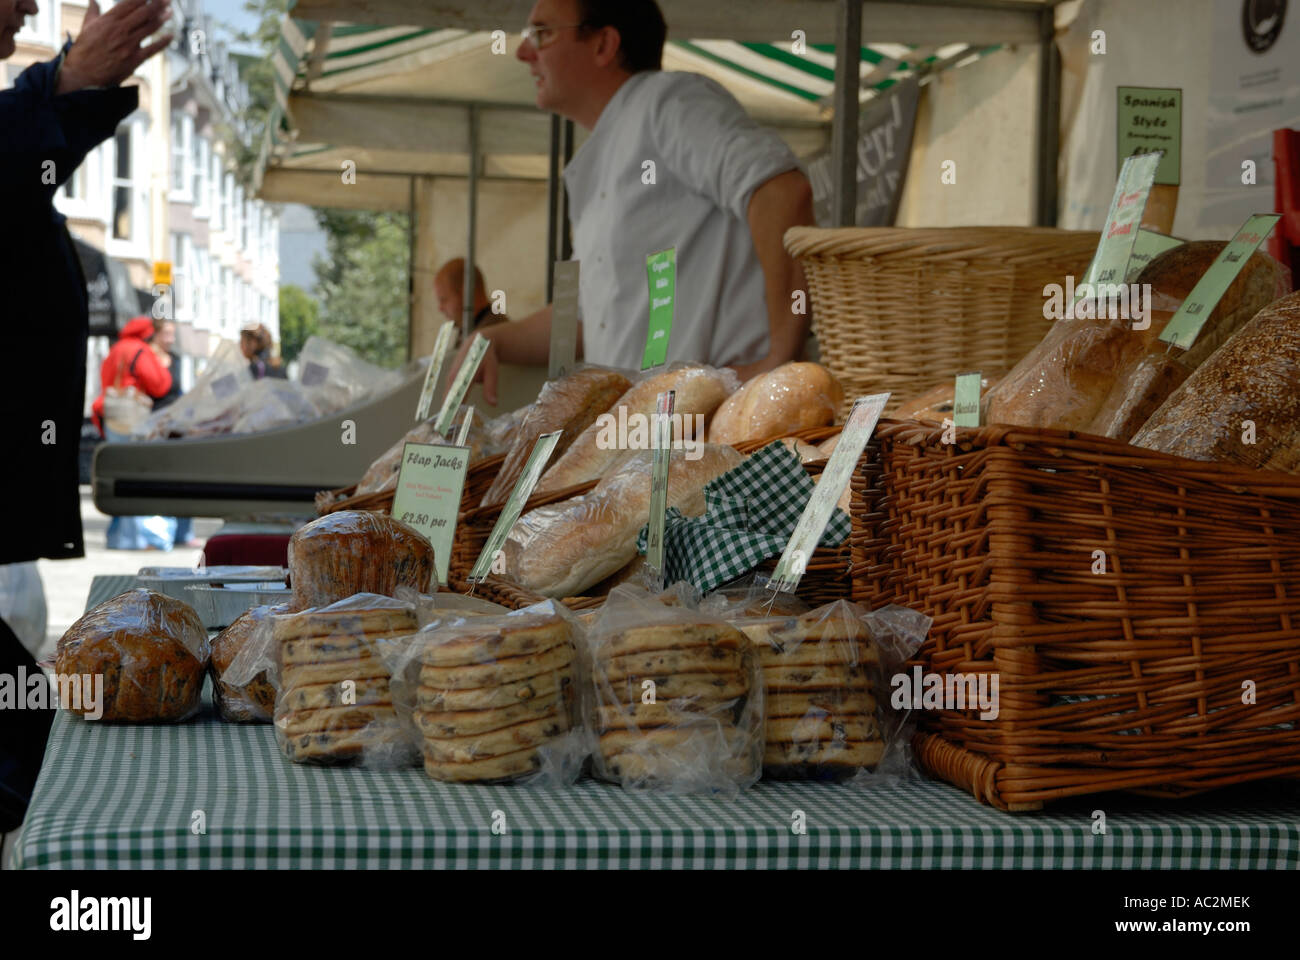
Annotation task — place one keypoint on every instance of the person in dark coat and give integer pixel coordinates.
(255, 344)
(56, 113)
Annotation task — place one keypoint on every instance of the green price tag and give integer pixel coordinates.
(661, 273)
(459, 386)
(429, 486)
(1110, 262)
(446, 336)
(487, 560)
(662, 442)
(1184, 326)
(1150, 119)
(463, 435)
(966, 400)
(835, 477)
(1147, 247)
(564, 319)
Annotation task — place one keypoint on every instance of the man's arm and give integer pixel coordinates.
(525, 342)
(782, 202)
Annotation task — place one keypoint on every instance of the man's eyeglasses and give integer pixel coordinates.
(542, 35)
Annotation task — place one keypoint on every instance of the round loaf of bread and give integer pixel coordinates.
(354, 551)
(794, 396)
(150, 653)
(1253, 377)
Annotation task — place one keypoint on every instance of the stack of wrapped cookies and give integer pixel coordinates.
(818, 673)
(494, 694)
(677, 703)
(335, 702)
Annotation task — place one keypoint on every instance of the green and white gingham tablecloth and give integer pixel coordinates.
(113, 796)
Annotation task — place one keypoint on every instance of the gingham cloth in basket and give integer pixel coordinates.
(750, 514)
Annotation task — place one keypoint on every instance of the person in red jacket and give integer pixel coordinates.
(130, 363)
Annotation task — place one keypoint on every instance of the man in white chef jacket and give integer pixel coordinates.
(672, 161)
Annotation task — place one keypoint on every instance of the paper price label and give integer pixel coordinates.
(446, 336)
(661, 274)
(542, 451)
(429, 486)
(463, 434)
(564, 318)
(660, 462)
(1184, 326)
(1110, 262)
(459, 386)
(966, 400)
(1148, 245)
(1149, 119)
(812, 523)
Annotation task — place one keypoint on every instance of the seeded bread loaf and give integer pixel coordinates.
(1253, 377)
(1104, 377)
(152, 652)
(792, 397)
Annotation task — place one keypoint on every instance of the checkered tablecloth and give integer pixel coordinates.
(136, 796)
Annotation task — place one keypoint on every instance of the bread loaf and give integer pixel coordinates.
(151, 651)
(935, 405)
(570, 404)
(1254, 377)
(1101, 376)
(792, 397)
(353, 551)
(383, 473)
(254, 701)
(699, 391)
(561, 549)
(805, 451)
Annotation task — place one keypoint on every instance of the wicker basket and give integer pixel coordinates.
(478, 478)
(902, 309)
(1127, 679)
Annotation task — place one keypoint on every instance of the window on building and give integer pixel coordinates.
(122, 184)
(180, 156)
(246, 216)
(41, 27)
(199, 173)
(218, 193)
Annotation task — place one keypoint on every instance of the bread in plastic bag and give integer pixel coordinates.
(676, 699)
(334, 376)
(570, 404)
(1103, 377)
(794, 396)
(699, 390)
(936, 404)
(561, 549)
(382, 474)
(1242, 405)
(356, 551)
(254, 700)
(211, 406)
(495, 699)
(334, 700)
(149, 652)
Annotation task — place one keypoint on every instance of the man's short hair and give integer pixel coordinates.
(640, 25)
(453, 272)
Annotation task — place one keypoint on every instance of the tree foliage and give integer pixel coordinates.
(299, 319)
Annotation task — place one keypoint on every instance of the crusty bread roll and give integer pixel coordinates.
(792, 397)
(805, 451)
(151, 651)
(700, 390)
(570, 404)
(1105, 378)
(561, 549)
(1255, 376)
(354, 551)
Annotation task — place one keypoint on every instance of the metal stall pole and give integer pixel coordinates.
(1049, 117)
(467, 304)
(410, 270)
(844, 126)
(552, 206)
(566, 152)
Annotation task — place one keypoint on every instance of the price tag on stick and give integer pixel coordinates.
(564, 318)
(812, 524)
(446, 337)
(966, 400)
(1148, 245)
(456, 392)
(661, 273)
(662, 442)
(429, 486)
(1110, 262)
(463, 434)
(514, 505)
(1184, 326)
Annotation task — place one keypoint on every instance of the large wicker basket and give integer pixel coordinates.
(1173, 669)
(902, 309)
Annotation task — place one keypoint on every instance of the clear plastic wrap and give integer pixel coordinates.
(602, 446)
(382, 474)
(561, 549)
(254, 700)
(1102, 376)
(570, 404)
(677, 699)
(1242, 405)
(354, 551)
(211, 405)
(935, 405)
(334, 376)
(270, 403)
(897, 633)
(794, 396)
(138, 658)
(494, 699)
